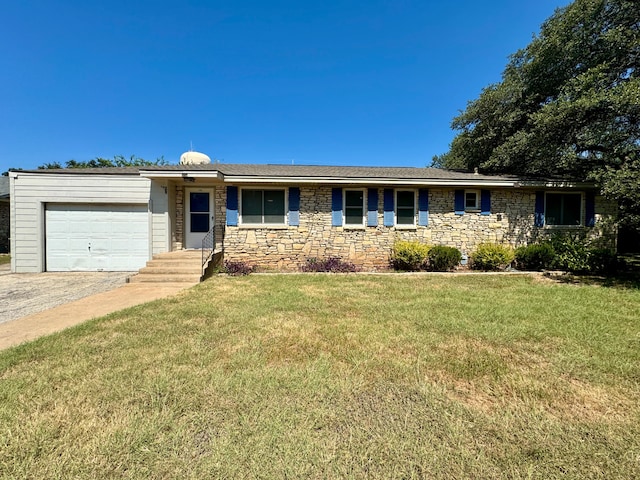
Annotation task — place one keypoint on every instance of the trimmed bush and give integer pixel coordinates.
(443, 259)
(491, 256)
(331, 264)
(537, 256)
(410, 256)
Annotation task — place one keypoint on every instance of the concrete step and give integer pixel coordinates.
(177, 263)
(156, 269)
(173, 267)
(165, 278)
(179, 254)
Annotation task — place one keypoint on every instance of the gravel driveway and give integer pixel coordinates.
(23, 294)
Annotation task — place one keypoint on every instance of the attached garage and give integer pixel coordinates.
(95, 237)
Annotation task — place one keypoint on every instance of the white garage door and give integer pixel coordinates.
(82, 237)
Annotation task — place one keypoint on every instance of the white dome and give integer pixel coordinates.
(194, 158)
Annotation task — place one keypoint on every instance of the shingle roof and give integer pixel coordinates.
(327, 171)
(86, 171)
(323, 173)
(4, 186)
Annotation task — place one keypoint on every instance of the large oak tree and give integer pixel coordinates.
(568, 105)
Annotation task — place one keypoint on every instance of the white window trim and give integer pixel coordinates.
(363, 224)
(263, 225)
(395, 213)
(478, 201)
(582, 210)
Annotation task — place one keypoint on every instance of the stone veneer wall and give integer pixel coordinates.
(286, 248)
(179, 233)
(5, 215)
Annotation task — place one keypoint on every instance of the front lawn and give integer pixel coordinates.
(335, 376)
(5, 258)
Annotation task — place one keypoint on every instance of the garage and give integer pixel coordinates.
(89, 237)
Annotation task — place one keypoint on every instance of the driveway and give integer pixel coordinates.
(23, 294)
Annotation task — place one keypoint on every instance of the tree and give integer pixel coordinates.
(568, 105)
(99, 162)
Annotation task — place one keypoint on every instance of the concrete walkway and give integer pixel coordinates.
(58, 318)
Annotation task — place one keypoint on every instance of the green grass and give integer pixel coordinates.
(335, 376)
(4, 258)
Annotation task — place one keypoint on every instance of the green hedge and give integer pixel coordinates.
(491, 256)
(410, 255)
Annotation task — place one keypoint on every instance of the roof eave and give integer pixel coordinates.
(180, 174)
(369, 181)
(554, 184)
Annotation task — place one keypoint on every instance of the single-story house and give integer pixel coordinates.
(4, 214)
(277, 216)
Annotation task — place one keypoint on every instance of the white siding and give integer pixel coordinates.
(30, 192)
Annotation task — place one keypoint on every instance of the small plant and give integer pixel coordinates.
(537, 256)
(331, 264)
(410, 255)
(491, 256)
(238, 268)
(443, 259)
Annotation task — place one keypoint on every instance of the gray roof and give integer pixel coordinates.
(4, 186)
(86, 171)
(261, 170)
(323, 173)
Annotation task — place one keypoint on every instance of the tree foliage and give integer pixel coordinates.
(99, 162)
(568, 104)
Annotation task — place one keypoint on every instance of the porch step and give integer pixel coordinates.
(164, 278)
(168, 269)
(182, 266)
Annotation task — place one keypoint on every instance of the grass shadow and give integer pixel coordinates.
(627, 276)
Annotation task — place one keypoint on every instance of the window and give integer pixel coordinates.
(405, 207)
(354, 207)
(263, 206)
(563, 209)
(471, 200)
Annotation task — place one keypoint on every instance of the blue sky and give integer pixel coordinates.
(334, 82)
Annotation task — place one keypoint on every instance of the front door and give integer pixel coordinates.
(199, 215)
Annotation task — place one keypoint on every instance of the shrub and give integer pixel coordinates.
(576, 255)
(411, 256)
(238, 268)
(571, 253)
(537, 256)
(491, 256)
(331, 264)
(603, 261)
(443, 259)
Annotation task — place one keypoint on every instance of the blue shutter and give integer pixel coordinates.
(336, 207)
(388, 207)
(590, 210)
(423, 207)
(458, 203)
(232, 206)
(485, 202)
(539, 215)
(372, 207)
(294, 206)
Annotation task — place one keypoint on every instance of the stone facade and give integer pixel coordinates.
(511, 221)
(179, 230)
